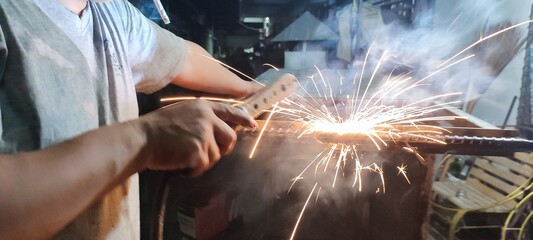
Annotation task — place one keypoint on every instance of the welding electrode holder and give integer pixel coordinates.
(263, 100)
(282, 88)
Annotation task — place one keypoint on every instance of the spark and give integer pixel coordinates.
(454, 21)
(302, 212)
(484, 39)
(318, 194)
(340, 127)
(358, 173)
(402, 170)
(321, 76)
(367, 118)
(272, 66)
(262, 131)
(380, 170)
(371, 80)
(417, 155)
(299, 177)
(364, 115)
(341, 159)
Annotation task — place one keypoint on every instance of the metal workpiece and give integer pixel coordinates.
(487, 142)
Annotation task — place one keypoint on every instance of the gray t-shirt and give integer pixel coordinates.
(62, 75)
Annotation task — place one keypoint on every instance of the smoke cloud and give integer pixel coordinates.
(148, 9)
(433, 37)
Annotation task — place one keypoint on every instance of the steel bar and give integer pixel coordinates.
(468, 141)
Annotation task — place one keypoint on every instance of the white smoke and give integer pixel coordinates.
(148, 9)
(437, 35)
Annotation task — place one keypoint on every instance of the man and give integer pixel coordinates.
(70, 141)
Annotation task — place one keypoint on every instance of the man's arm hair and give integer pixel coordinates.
(200, 71)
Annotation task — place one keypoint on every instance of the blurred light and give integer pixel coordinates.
(252, 20)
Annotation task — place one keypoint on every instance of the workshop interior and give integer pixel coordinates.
(406, 119)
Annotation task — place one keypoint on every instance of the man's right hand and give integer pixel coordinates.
(191, 135)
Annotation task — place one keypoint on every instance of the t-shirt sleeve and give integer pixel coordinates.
(3, 55)
(155, 54)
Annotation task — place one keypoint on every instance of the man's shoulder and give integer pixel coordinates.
(120, 12)
(115, 6)
(8, 4)
(21, 13)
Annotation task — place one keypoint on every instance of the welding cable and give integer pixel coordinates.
(519, 191)
(461, 212)
(157, 223)
(513, 218)
(161, 199)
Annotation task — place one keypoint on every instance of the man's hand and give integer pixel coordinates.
(191, 135)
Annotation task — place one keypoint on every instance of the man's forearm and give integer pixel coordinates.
(42, 191)
(203, 73)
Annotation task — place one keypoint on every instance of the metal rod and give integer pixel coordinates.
(467, 141)
(509, 112)
(162, 11)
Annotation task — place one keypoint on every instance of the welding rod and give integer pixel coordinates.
(162, 11)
